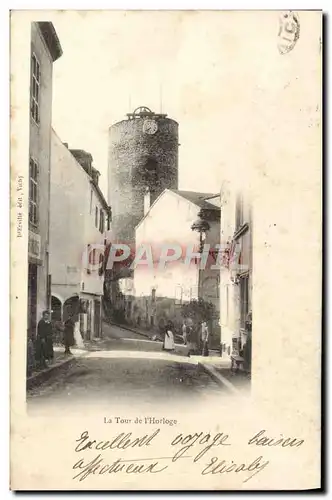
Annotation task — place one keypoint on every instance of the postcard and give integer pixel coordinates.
(166, 250)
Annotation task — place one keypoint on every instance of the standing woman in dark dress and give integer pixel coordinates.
(69, 334)
(44, 340)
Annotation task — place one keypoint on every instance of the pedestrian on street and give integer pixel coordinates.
(184, 333)
(44, 344)
(69, 334)
(205, 339)
(191, 338)
(169, 344)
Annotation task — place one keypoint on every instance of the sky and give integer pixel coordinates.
(219, 74)
(193, 66)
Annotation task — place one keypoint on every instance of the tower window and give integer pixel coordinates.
(150, 173)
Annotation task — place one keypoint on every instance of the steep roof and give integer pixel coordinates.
(199, 199)
(90, 178)
(101, 196)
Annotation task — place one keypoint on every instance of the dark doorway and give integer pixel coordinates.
(56, 309)
(71, 308)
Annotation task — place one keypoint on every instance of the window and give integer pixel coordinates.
(88, 261)
(93, 257)
(109, 219)
(101, 221)
(92, 261)
(96, 217)
(35, 88)
(33, 192)
(244, 302)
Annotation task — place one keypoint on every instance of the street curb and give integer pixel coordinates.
(44, 375)
(125, 327)
(218, 378)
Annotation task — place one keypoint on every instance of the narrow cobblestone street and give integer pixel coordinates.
(125, 367)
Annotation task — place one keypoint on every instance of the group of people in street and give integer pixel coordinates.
(195, 337)
(41, 351)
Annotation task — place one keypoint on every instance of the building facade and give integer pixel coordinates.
(236, 273)
(80, 221)
(45, 50)
(157, 293)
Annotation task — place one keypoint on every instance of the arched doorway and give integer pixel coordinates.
(56, 307)
(71, 307)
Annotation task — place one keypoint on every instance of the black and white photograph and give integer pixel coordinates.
(137, 283)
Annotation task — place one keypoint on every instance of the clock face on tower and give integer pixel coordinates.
(150, 127)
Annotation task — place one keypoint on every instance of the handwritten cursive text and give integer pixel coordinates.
(97, 466)
(200, 438)
(120, 442)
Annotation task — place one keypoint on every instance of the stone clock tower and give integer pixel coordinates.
(143, 154)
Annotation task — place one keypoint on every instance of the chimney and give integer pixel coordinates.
(65, 144)
(147, 200)
(83, 158)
